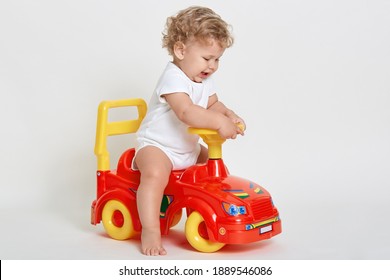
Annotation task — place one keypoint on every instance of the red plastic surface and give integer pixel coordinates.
(208, 189)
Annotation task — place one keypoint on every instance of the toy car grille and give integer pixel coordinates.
(262, 208)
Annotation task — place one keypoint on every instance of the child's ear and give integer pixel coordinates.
(179, 50)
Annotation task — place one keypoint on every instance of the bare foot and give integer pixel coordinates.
(151, 243)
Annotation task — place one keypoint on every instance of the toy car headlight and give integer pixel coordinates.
(234, 210)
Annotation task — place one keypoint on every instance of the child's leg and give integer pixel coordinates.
(155, 168)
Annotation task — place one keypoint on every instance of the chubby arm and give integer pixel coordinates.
(196, 116)
(216, 105)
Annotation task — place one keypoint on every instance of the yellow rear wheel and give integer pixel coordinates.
(117, 220)
(196, 234)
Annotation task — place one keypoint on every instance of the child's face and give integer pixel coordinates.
(198, 60)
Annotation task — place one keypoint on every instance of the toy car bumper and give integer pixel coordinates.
(247, 233)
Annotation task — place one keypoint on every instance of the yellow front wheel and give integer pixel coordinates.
(117, 220)
(196, 234)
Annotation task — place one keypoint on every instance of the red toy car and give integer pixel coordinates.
(221, 208)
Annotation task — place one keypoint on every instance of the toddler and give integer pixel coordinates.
(185, 96)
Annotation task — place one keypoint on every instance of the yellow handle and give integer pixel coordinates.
(104, 128)
(212, 139)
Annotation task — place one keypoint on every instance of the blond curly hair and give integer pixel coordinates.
(199, 23)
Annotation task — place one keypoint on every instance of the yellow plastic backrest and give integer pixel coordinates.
(105, 128)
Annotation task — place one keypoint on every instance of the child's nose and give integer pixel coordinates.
(212, 65)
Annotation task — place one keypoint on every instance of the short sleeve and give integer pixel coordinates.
(172, 84)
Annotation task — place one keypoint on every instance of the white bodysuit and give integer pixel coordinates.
(161, 127)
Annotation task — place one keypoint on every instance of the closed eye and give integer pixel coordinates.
(208, 59)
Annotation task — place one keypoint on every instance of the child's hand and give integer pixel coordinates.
(238, 121)
(229, 129)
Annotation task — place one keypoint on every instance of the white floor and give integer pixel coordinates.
(309, 232)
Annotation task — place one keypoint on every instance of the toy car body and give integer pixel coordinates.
(221, 208)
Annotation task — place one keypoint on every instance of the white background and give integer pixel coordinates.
(311, 79)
